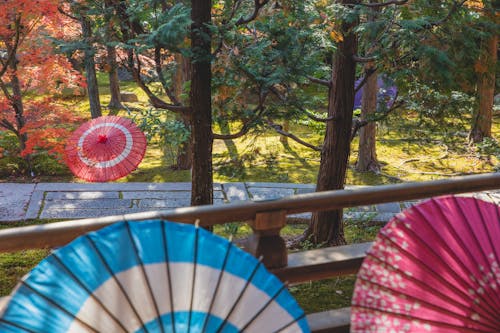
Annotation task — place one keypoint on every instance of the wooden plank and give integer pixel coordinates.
(60, 233)
(333, 321)
(323, 263)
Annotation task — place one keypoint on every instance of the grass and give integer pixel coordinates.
(406, 151)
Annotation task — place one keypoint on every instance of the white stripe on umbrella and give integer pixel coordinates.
(134, 283)
(106, 164)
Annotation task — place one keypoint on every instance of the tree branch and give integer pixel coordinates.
(453, 9)
(244, 130)
(279, 129)
(13, 49)
(258, 4)
(9, 126)
(369, 73)
(155, 100)
(384, 4)
(364, 59)
(326, 83)
(357, 123)
(257, 113)
(161, 77)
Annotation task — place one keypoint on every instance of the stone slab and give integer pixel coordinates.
(81, 195)
(235, 192)
(14, 200)
(172, 203)
(157, 203)
(304, 190)
(35, 205)
(88, 204)
(86, 213)
(163, 195)
(57, 187)
(262, 193)
(392, 207)
(279, 185)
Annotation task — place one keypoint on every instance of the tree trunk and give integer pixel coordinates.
(367, 155)
(114, 83)
(182, 75)
(17, 105)
(482, 120)
(90, 74)
(200, 98)
(286, 128)
(327, 227)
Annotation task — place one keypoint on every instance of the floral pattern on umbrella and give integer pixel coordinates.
(433, 268)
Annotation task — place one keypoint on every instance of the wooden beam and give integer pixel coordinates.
(60, 233)
(333, 321)
(323, 263)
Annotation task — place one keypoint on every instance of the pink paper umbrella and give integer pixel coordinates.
(433, 268)
(105, 149)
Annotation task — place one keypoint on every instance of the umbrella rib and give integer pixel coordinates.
(79, 282)
(242, 292)
(433, 322)
(284, 327)
(435, 291)
(219, 279)
(263, 308)
(148, 283)
(428, 304)
(167, 265)
(108, 268)
(7, 322)
(485, 256)
(444, 219)
(439, 277)
(497, 210)
(24, 283)
(193, 284)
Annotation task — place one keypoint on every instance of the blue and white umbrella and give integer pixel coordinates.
(151, 276)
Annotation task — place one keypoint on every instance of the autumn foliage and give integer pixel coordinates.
(31, 72)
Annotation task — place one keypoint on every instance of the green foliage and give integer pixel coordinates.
(487, 149)
(172, 29)
(170, 133)
(438, 107)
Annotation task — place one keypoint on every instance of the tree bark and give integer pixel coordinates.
(367, 154)
(200, 98)
(182, 75)
(90, 73)
(114, 83)
(17, 104)
(327, 226)
(286, 128)
(482, 119)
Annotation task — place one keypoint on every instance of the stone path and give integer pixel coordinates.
(74, 200)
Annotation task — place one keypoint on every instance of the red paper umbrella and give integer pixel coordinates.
(433, 268)
(105, 148)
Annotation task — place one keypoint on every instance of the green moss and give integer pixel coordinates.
(324, 295)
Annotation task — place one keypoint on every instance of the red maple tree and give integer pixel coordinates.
(31, 72)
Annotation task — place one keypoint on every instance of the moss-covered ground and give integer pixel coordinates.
(407, 151)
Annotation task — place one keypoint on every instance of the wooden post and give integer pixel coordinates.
(266, 241)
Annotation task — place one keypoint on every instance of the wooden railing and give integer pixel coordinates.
(267, 219)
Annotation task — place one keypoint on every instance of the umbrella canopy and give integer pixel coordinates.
(151, 276)
(433, 268)
(105, 149)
